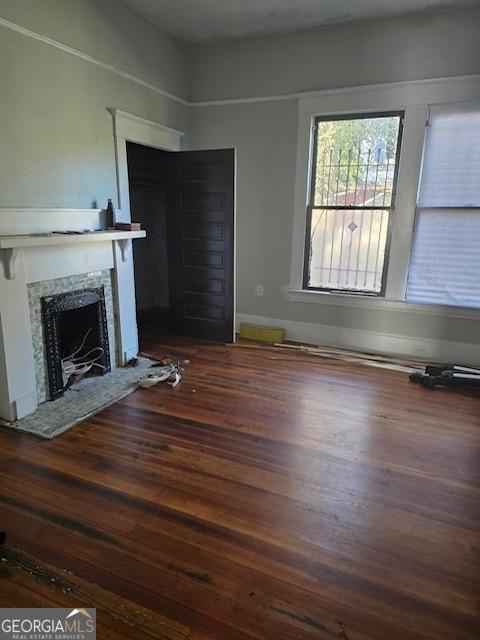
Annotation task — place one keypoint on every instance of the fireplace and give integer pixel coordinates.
(35, 264)
(76, 337)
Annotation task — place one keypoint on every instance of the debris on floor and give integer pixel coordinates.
(166, 370)
(344, 355)
(291, 352)
(342, 634)
(164, 362)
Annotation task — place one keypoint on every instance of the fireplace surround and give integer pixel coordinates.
(37, 291)
(35, 256)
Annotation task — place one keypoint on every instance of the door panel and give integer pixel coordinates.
(204, 285)
(147, 172)
(201, 239)
(201, 229)
(203, 202)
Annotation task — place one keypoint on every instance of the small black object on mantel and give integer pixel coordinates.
(110, 215)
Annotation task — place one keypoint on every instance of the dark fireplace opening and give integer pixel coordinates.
(76, 337)
(78, 331)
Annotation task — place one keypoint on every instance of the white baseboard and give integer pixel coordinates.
(370, 341)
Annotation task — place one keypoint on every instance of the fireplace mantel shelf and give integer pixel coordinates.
(46, 239)
(10, 245)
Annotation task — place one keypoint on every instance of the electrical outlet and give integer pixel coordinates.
(258, 289)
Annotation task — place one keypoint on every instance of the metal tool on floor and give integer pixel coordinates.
(449, 375)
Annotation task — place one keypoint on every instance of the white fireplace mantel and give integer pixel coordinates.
(31, 252)
(10, 245)
(48, 239)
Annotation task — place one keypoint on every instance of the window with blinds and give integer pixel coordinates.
(445, 259)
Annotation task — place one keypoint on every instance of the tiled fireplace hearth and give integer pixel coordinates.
(35, 266)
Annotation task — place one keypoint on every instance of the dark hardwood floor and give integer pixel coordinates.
(263, 499)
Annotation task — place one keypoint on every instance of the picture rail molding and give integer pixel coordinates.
(7, 24)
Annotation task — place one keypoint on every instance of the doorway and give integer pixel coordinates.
(147, 178)
(184, 270)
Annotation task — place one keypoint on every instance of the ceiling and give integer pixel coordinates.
(198, 21)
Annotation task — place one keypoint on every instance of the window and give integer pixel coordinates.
(445, 260)
(352, 199)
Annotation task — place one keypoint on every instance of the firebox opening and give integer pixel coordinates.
(80, 348)
(76, 337)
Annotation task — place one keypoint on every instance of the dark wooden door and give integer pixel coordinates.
(200, 194)
(147, 175)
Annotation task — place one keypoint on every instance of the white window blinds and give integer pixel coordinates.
(445, 260)
(451, 163)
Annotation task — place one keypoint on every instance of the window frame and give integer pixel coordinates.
(415, 97)
(312, 151)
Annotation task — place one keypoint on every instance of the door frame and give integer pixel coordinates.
(128, 127)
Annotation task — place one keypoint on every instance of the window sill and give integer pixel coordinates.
(374, 302)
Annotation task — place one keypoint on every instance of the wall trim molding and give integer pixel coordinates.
(93, 60)
(335, 91)
(153, 134)
(369, 341)
(384, 304)
(7, 24)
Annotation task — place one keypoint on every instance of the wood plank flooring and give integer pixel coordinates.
(262, 499)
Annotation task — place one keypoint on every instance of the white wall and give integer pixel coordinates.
(55, 132)
(56, 135)
(426, 45)
(265, 136)
(63, 63)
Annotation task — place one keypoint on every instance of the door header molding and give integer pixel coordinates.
(128, 126)
(143, 131)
